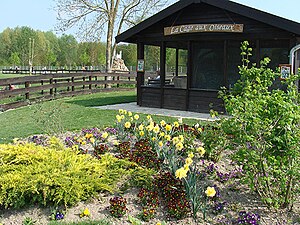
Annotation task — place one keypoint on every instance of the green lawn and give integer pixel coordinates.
(66, 114)
(3, 76)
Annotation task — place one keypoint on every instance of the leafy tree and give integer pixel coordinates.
(265, 126)
(14, 59)
(95, 18)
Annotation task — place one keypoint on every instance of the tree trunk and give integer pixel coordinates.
(109, 46)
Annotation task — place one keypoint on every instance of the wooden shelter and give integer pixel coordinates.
(211, 32)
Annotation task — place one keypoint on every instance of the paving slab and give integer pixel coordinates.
(133, 107)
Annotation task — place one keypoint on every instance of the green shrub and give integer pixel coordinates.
(265, 125)
(36, 174)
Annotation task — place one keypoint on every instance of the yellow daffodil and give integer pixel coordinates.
(168, 127)
(122, 117)
(150, 127)
(191, 155)
(156, 129)
(116, 142)
(141, 127)
(149, 118)
(142, 133)
(131, 118)
(181, 173)
(175, 140)
(180, 120)
(104, 135)
(181, 138)
(188, 161)
(136, 116)
(161, 134)
(162, 123)
(129, 113)
(201, 151)
(124, 111)
(168, 137)
(186, 167)
(127, 125)
(160, 144)
(176, 124)
(121, 111)
(153, 138)
(210, 192)
(179, 146)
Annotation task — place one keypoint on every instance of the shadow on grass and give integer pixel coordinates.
(90, 102)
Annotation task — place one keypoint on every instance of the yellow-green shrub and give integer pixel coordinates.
(36, 174)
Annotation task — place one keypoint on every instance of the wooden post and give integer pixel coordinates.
(27, 84)
(83, 79)
(42, 83)
(189, 74)
(176, 62)
(68, 88)
(140, 74)
(55, 89)
(73, 87)
(51, 89)
(105, 79)
(162, 72)
(90, 79)
(118, 78)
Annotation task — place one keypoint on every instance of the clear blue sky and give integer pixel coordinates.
(39, 14)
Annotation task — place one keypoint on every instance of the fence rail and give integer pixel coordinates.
(20, 91)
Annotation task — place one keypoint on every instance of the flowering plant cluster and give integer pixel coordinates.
(117, 206)
(150, 202)
(174, 195)
(85, 213)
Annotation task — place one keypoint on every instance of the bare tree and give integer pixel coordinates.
(95, 18)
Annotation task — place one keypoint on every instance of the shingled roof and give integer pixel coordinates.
(264, 17)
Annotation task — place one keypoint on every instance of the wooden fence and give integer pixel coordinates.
(21, 91)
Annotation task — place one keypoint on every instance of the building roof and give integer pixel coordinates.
(264, 17)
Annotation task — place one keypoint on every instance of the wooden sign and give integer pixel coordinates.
(198, 28)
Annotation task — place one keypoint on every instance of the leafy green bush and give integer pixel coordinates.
(58, 175)
(265, 125)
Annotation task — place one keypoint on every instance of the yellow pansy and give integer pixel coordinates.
(85, 212)
(142, 133)
(176, 124)
(153, 138)
(92, 140)
(121, 111)
(122, 117)
(88, 136)
(210, 192)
